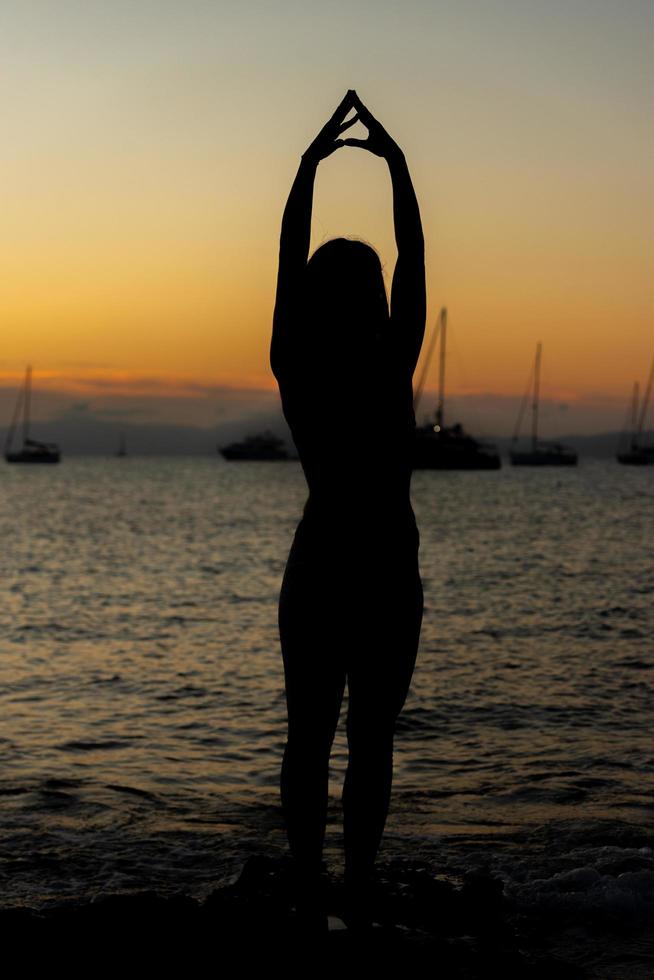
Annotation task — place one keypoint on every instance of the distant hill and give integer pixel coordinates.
(88, 435)
(600, 446)
(91, 436)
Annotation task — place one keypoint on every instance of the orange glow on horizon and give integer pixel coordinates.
(147, 167)
(124, 383)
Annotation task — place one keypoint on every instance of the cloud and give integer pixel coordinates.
(150, 399)
(119, 412)
(489, 414)
(205, 404)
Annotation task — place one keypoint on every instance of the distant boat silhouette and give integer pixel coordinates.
(32, 451)
(122, 448)
(265, 446)
(441, 447)
(639, 455)
(541, 453)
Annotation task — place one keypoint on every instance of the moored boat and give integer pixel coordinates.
(32, 451)
(265, 446)
(441, 447)
(122, 447)
(638, 454)
(540, 453)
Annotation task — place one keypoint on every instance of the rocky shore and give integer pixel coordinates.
(465, 930)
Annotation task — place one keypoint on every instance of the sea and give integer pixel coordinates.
(142, 718)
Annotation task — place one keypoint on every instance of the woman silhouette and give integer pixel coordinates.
(351, 599)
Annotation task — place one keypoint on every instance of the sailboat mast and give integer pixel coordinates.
(14, 419)
(425, 368)
(534, 407)
(643, 409)
(26, 403)
(634, 416)
(441, 373)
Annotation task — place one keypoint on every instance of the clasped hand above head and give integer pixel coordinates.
(327, 141)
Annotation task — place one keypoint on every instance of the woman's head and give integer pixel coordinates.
(345, 298)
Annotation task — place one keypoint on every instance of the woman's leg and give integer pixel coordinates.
(314, 674)
(379, 676)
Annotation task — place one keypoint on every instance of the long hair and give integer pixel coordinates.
(344, 302)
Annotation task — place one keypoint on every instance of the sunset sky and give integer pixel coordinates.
(149, 146)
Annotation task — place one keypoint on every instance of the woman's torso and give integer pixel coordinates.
(354, 436)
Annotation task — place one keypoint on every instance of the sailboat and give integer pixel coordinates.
(32, 451)
(637, 454)
(122, 448)
(441, 447)
(541, 453)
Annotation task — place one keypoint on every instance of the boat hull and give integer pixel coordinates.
(265, 447)
(455, 461)
(244, 456)
(644, 458)
(21, 457)
(543, 459)
(450, 448)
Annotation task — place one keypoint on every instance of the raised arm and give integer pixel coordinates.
(293, 254)
(296, 232)
(408, 293)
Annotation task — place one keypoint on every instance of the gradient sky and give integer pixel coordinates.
(148, 148)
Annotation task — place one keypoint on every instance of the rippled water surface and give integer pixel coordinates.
(143, 714)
